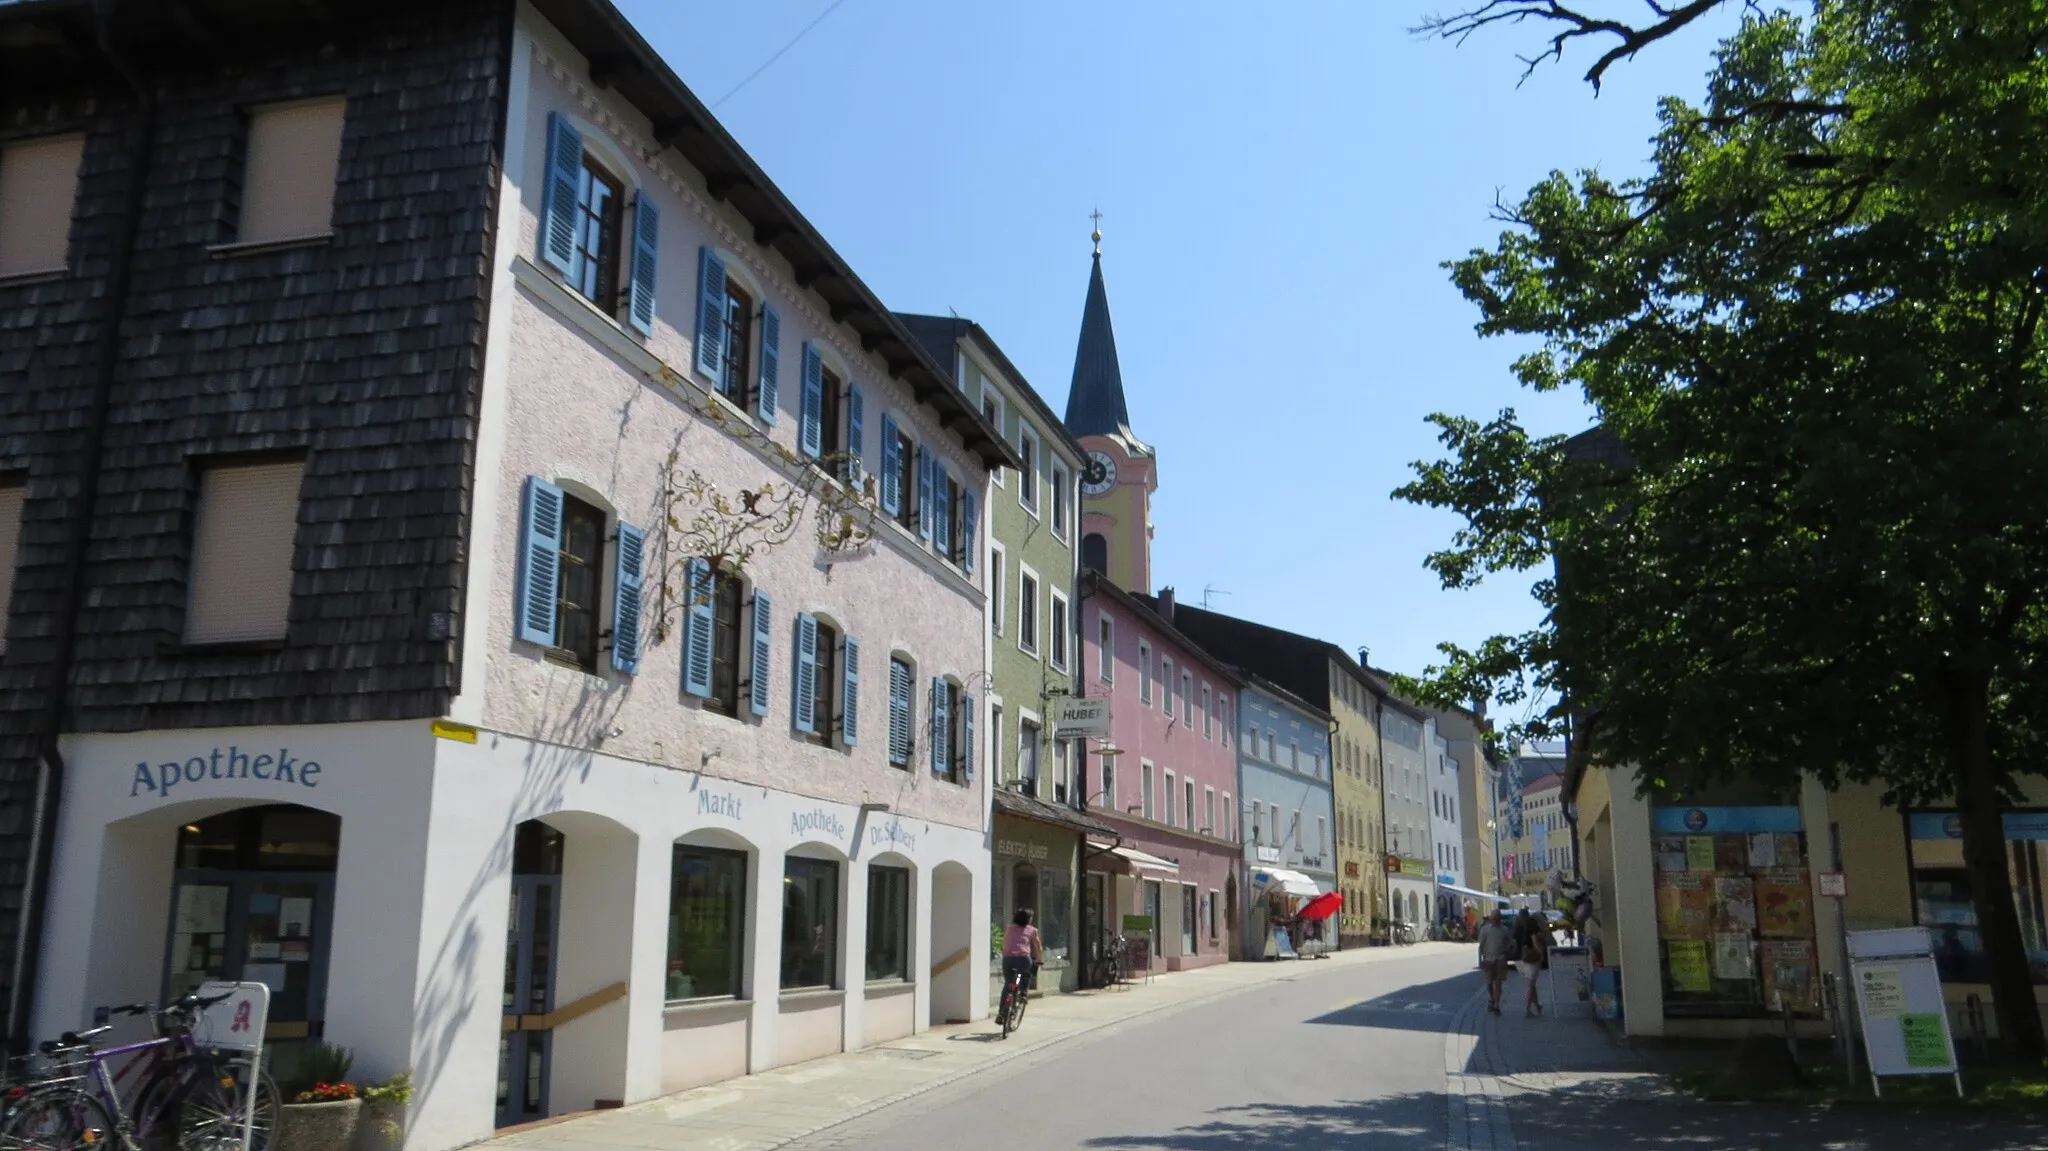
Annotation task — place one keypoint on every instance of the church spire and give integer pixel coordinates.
(1095, 400)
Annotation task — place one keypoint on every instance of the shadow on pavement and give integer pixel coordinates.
(1419, 1007)
(1406, 1121)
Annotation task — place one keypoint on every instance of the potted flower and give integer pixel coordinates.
(382, 1127)
(325, 1107)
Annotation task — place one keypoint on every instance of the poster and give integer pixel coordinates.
(1688, 966)
(1789, 854)
(264, 951)
(1763, 850)
(1685, 905)
(1926, 1040)
(270, 975)
(1731, 853)
(1670, 852)
(1784, 903)
(1732, 956)
(202, 910)
(1699, 853)
(1734, 904)
(1882, 990)
(1788, 969)
(295, 919)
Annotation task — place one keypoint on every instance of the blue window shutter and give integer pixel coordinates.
(629, 571)
(849, 694)
(710, 313)
(764, 643)
(938, 727)
(856, 415)
(942, 511)
(698, 626)
(892, 467)
(805, 697)
(558, 214)
(540, 552)
(967, 733)
(646, 248)
(768, 391)
(924, 492)
(810, 428)
(900, 688)
(970, 515)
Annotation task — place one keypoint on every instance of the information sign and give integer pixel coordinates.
(236, 1023)
(1899, 1002)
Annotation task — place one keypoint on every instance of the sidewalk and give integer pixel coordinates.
(763, 1111)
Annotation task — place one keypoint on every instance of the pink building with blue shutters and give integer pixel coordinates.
(1171, 790)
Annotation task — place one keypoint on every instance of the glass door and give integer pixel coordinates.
(1152, 904)
(257, 927)
(1187, 919)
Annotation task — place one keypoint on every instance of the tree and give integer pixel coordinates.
(1811, 535)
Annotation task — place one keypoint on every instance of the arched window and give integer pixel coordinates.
(1095, 552)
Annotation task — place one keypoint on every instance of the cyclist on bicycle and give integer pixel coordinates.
(1022, 950)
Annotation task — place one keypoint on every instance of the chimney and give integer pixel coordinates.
(1365, 657)
(1166, 604)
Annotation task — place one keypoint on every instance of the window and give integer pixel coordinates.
(1105, 647)
(902, 696)
(888, 922)
(1187, 810)
(1145, 790)
(732, 377)
(1214, 897)
(10, 550)
(1187, 700)
(1258, 825)
(1322, 834)
(288, 171)
(38, 193)
(1166, 685)
(826, 722)
(1027, 611)
(1145, 673)
(1027, 755)
(707, 917)
(1062, 785)
(907, 458)
(1274, 811)
(1271, 755)
(1252, 745)
(1293, 756)
(1095, 552)
(1228, 812)
(1109, 783)
(1209, 810)
(1059, 631)
(1059, 501)
(1027, 476)
(1208, 715)
(725, 645)
(1223, 718)
(1944, 899)
(1170, 798)
(992, 410)
(810, 923)
(996, 562)
(959, 731)
(241, 573)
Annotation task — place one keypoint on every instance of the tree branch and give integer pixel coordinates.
(1576, 25)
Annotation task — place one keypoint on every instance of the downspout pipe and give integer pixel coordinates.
(77, 540)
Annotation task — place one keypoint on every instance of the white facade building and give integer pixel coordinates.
(1445, 823)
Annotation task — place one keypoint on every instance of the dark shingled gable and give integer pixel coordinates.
(363, 354)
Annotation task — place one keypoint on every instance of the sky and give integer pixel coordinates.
(1279, 185)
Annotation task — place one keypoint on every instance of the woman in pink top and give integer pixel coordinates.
(1022, 951)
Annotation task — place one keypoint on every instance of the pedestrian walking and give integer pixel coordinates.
(1532, 948)
(1496, 948)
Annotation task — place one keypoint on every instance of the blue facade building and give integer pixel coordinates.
(1285, 810)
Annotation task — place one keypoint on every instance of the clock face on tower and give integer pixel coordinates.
(1100, 476)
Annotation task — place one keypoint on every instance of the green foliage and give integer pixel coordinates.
(319, 1063)
(396, 1090)
(1812, 536)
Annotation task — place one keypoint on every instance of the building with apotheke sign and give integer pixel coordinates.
(435, 684)
(1713, 904)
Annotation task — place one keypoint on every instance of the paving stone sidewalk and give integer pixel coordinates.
(759, 1112)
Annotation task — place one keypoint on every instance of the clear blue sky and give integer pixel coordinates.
(1277, 192)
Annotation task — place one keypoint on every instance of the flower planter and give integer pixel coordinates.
(318, 1126)
(381, 1127)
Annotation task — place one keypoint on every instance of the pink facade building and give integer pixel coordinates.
(1166, 780)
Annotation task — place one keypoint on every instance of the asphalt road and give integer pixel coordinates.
(1327, 1058)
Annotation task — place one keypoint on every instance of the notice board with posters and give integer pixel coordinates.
(1734, 910)
(1898, 1001)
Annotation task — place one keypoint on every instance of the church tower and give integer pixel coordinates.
(1122, 472)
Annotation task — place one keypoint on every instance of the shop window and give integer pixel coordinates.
(810, 923)
(707, 905)
(1944, 901)
(1024, 892)
(1056, 902)
(274, 838)
(1734, 910)
(888, 923)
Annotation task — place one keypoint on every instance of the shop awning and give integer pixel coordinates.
(1291, 882)
(1489, 896)
(1143, 861)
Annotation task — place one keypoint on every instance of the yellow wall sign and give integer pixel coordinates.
(459, 732)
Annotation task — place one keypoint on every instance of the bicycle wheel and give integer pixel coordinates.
(57, 1119)
(1017, 1009)
(1003, 1009)
(211, 1118)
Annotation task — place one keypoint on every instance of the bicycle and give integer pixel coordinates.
(184, 1091)
(1016, 996)
(1110, 960)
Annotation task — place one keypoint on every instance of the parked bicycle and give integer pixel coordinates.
(1111, 960)
(1404, 933)
(183, 1094)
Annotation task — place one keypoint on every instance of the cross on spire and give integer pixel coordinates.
(1096, 216)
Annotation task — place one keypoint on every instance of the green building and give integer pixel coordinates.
(1038, 825)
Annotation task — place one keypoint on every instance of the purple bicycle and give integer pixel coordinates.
(184, 1094)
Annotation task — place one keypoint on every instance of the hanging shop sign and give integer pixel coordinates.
(1080, 717)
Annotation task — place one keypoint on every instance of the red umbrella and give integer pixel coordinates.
(1323, 906)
